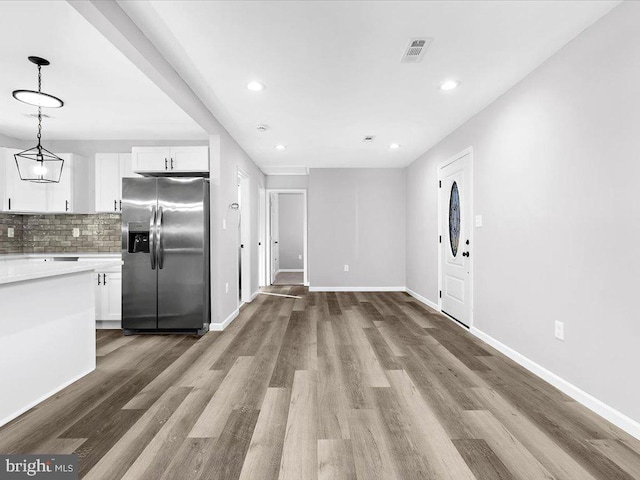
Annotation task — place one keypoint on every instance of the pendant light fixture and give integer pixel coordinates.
(38, 164)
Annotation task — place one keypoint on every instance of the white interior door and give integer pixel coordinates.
(455, 247)
(275, 249)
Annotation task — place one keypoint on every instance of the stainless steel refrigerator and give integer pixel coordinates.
(165, 249)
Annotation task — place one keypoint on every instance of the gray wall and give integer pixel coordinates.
(291, 230)
(556, 179)
(287, 181)
(357, 217)
(10, 142)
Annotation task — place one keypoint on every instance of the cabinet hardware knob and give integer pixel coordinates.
(99, 280)
(465, 254)
(165, 163)
(115, 205)
(104, 278)
(172, 164)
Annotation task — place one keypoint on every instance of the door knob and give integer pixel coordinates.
(465, 254)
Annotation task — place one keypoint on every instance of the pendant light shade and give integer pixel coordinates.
(38, 164)
(38, 98)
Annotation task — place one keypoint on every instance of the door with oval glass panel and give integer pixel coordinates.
(455, 238)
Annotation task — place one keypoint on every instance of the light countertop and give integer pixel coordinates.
(28, 268)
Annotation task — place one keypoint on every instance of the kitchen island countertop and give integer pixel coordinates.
(19, 270)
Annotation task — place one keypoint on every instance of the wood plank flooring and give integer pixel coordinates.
(329, 386)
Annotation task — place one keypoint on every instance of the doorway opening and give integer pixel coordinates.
(455, 220)
(244, 236)
(286, 237)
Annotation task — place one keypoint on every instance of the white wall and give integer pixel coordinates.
(357, 217)
(556, 179)
(226, 157)
(287, 181)
(291, 230)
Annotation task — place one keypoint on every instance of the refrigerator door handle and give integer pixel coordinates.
(159, 252)
(152, 235)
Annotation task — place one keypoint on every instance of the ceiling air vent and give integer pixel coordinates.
(416, 49)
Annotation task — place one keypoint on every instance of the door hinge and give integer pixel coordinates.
(439, 183)
(440, 293)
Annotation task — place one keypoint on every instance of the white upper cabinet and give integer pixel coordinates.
(170, 159)
(60, 195)
(21, 196)
(111, 168)
(70, 195)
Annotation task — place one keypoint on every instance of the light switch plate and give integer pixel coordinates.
(226, 287)
(299, 257)
(559, 330)
(224, 223)
(478, 221)
(76, 232)
(346, 268)
(10, 232)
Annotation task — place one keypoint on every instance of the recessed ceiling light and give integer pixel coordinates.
(449, 85)
(262, 128)
(281, 147)
(255, 86)
(394, 146)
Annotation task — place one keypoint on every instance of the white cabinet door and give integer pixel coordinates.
(59, 198)
(151, 159)
(112, 296)
(109, 296)
(108, 182)
(99, 294)
(22, 196)
(189, 159)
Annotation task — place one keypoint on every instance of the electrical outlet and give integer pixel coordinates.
(299, 257)
(478, 221)
(10, 232)
(346, 268)
(226, 287)
(224, 223)
(559, 330)
(76, 232)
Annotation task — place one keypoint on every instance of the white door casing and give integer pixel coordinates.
(455, 206)
(275, 250)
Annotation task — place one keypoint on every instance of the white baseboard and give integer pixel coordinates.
(614, 416)
(254, 295)
(293, 270)
(108, 324)
(424, 300)
(218, 327)
(43, 398)
(357, 289)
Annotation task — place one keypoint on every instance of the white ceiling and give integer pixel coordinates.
(105, 95)
(333, 71)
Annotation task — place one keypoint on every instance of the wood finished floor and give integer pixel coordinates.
(329, 386)
(289, 278)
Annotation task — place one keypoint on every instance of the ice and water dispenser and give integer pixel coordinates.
(138, 241)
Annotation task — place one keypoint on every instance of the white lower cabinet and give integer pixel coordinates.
(109, 295)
